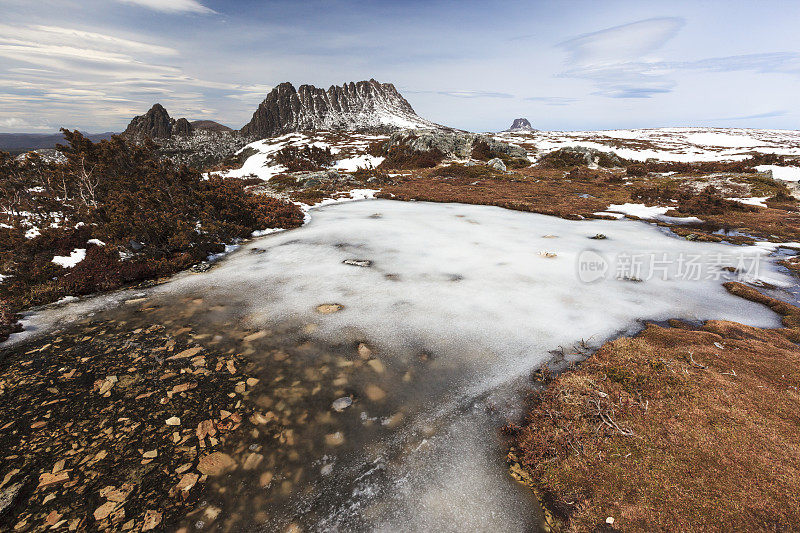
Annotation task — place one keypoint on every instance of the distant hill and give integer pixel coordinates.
(17, 143)
(209, 125)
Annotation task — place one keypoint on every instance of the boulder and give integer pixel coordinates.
(455, 144)
(497, 164)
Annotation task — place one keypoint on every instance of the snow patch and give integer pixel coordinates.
(68, 261)
(361, 161)
(781, 173)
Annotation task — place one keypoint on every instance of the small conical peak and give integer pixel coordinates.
(521, 124)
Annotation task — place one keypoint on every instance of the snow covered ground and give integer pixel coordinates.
(667, 144)
(349, 149)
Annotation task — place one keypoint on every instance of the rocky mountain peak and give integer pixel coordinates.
(521, 124)
(182, 127)
(355, 106)
(156, 124)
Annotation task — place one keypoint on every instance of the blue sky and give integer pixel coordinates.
(94, 64)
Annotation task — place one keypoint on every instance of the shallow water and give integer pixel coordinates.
(459, 304)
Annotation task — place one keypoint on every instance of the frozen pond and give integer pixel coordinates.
(458, 305)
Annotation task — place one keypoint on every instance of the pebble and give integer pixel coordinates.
(327, 309)
(173, 421)
(334, 439)
(252, 461)
(376, 365)
(340, 404)
(363, 263)
(216, 464)
(374, 393)
(151, 520)
(364, 351)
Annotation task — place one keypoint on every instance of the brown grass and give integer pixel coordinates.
(564, 194)
(669, 432)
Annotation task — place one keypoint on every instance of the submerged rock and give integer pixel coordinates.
(340, 404)
(327, 309)
(363, 263)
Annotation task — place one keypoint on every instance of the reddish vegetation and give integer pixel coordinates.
(163, 218)
(401, 157)
(683, 429)
(547, 193)
(304, 158)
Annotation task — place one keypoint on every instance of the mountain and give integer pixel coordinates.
(210, 125)
(156, 124)
(361, 106)
(521, 124)
(25, 142)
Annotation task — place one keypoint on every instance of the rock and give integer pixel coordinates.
(173, 421)
(151, 520)
(152, 454)
(364, 351)
(334, 439)
(265, 479)
(47, 479)
(8, 496)
(205, 428)
(327, 309)
(216, 464)
(374, 393)
(52, 518)
(376, 365)
(453, 144)
(590, 156)
(497, 164)
(185, 354)
(255, 336)
(252, 461)
(104, 510)
(363, 263)
(187, 482)
(314, 178)
(340, 404)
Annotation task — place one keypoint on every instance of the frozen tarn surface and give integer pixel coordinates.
(478, 289)
(473, 286)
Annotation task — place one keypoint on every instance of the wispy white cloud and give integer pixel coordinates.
(552, 100)
(465, 93)
(756, 116)
(171, 6)
(620, 44)
(618, 59)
